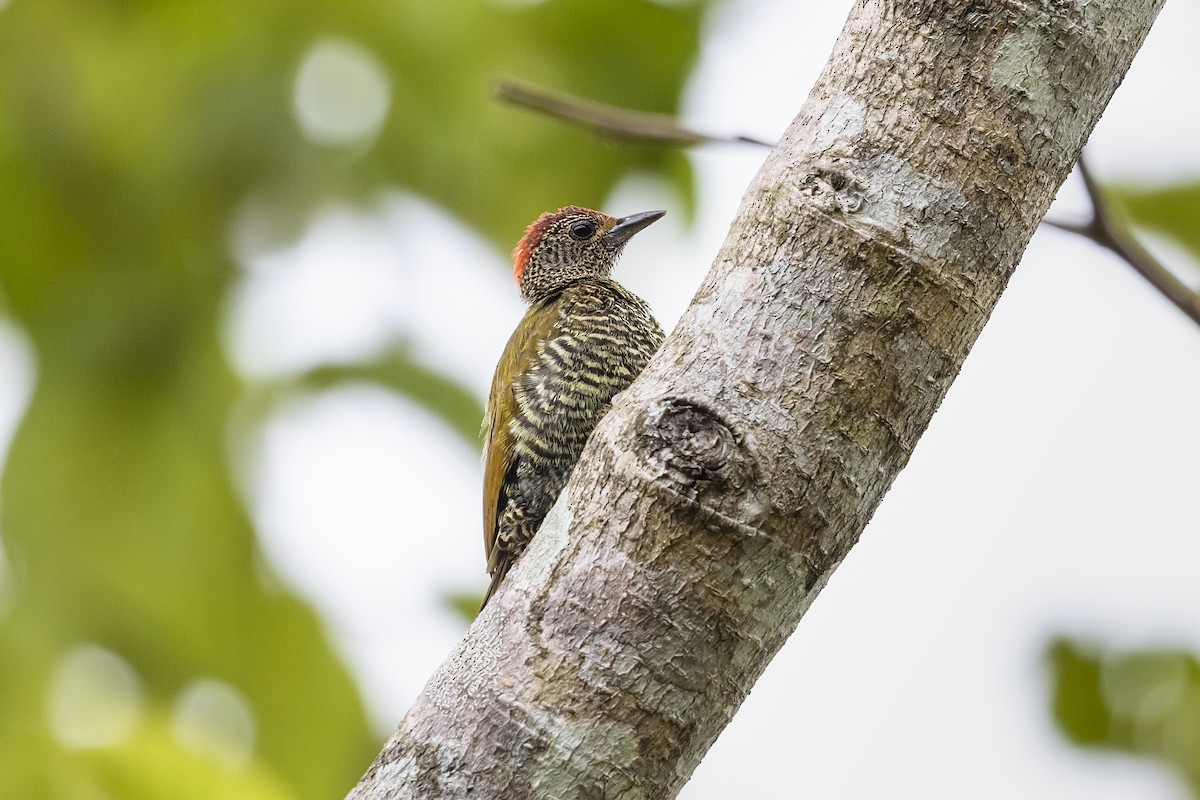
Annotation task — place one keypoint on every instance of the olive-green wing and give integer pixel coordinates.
(500, 447)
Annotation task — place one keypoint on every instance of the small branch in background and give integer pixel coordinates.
(613, 121)
(1106, 230)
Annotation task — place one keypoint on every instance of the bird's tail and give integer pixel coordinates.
(497, 578)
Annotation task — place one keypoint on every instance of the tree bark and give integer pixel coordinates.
(733, 477)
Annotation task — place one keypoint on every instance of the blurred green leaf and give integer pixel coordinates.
(1078, 704)
(464, 605)
(133, 134)
(456, 406)
(1173, 211)
(150, 765)
(1140, 702)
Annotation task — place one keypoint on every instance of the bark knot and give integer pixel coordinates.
(698, 458)
(693, 443)
(835, 189)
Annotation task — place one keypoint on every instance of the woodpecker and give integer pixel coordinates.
(583, 339)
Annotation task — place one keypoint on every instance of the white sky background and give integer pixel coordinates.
(1053, 493)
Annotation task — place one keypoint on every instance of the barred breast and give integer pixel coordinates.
(604, 337)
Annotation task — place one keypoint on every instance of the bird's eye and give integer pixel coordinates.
(583, 230)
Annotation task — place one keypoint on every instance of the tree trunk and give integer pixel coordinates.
(713, 503)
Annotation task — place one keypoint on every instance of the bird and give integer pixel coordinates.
(583, 339)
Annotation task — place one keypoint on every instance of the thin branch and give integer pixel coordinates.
(620, 123)
(623, 123)
(1108, 231)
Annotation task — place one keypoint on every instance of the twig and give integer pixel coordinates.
(1106, 230)
(621, 123)
(1103, 228)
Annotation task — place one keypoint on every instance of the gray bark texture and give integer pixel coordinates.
(731, 479)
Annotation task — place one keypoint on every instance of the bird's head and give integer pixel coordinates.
(563, 246)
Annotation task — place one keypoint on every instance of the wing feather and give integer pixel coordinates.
(499, 449)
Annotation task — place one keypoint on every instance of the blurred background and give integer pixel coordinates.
(254, 278)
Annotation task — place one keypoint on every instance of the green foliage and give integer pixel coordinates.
(149, 766)
(464, 605)
(458, 408)
(1173, 211)
(133, 134)
(1143, 702)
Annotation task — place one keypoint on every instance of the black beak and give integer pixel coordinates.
(628, 226)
